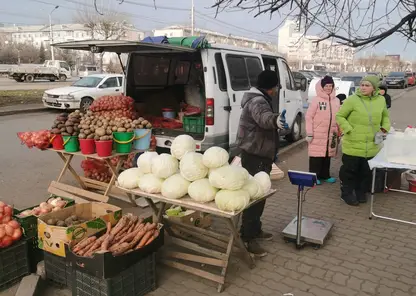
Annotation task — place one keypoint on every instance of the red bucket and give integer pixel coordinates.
(412, 186)
(104, 148)
(57, 142)
(87, 146)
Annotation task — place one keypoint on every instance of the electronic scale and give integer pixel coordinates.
(309, 230)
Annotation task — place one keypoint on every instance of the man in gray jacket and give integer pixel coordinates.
(258, 139)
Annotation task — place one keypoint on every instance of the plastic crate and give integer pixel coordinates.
(30, 223)
(195, 125)
(35, 254)
(14, 264)
(58, 269)
(137, 280)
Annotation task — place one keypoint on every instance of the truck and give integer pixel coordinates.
(51, 70)
(213, 78)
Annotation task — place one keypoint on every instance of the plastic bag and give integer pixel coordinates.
(108, 103)
(96, 169)
(39, 139)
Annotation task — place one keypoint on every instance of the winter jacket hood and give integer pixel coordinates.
(322, 94)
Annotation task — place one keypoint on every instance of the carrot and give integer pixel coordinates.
(83, 243)
(129, 236)
(96, 245)
(154, 236)
(107, 242)
(108, 227)
(121, 249)
(120, 224)
(145, 238)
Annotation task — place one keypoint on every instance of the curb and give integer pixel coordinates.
(22, 111)
(409, 89)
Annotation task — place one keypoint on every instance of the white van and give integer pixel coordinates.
(158, 76)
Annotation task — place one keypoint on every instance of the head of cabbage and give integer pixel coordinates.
(202, 191)
(229, 177)
(144, 162)
(164, 165)
(215, 157)
(264, 180)
(181, 145)
(192, 168)
(232, 200)
(175, 186)
(150, 183)
(129, 179)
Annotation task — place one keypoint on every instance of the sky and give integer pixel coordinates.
(145, 17)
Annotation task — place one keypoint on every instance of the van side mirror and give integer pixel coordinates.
(302, 84)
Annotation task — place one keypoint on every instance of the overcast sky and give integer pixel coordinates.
(144, 16)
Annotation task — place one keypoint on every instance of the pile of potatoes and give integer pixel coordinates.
(58, 126)
(71, 220)
(67, 125)
(101, 128)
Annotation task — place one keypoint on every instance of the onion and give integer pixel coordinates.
(60, 204)
(43, 205)
(17, 234)
(44, 210)
(8, 210)
(56, 209)
(1, 210)
(36, 211)
(7, 241)
(9, 230)
(54, 202)
(2, 232)
(14, 224)
(26, 213)
(5, 219)
(2, 204)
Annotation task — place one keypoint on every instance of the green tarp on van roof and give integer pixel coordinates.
(191, 42)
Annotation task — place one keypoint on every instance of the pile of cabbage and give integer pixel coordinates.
(204, 177)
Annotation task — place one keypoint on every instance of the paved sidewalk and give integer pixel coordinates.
(362, 257)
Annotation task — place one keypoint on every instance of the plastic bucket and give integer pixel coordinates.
(168, 113)
(87, 146)
(412, 186)
(142, 138)
(124, 141)
(71, 143)
(104, 148)
(57, 142)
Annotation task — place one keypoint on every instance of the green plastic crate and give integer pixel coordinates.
(195, 125)
(30, 223)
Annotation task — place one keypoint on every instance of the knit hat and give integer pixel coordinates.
(267, 80)
(327, 80)
(374, 80)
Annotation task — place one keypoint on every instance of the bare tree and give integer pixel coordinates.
(351, 22)
(110, 26)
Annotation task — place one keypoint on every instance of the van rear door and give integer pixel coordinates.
(241, 70)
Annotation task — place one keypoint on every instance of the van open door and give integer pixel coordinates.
(241, 71)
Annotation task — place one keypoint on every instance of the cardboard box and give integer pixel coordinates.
(52, 238)
(105, 265)
(194, 218)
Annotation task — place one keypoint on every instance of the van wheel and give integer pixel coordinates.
(85, 104)
(52, 80)
(62, 78)
(29, 78)
(296, 132)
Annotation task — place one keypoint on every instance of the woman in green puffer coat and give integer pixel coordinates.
(364, 120)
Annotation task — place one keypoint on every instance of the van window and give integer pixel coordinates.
(238, 73)
(91, 68)
(120, 80)
(64, 65)
(254, 69)
(150, 70)
(111, 82)
(222, 80)
(290, 82)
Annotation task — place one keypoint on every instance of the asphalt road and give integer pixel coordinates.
(10, 84)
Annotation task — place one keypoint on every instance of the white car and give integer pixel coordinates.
(83, 92)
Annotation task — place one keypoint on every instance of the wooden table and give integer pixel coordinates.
(86, 184)
(196, 239)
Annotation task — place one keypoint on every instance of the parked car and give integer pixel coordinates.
(298, 76)
(354, 77)
(83, 92)
(397, 79)
(158, 75)
(86, 70)
(411, 78)
(379, 75)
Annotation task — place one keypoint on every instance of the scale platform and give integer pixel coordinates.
(313, 231)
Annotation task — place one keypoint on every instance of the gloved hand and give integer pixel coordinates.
(281, 121)
(309, 139)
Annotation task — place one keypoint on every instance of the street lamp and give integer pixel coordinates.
(50, 31)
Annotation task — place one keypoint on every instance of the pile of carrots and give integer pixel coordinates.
(129, 234)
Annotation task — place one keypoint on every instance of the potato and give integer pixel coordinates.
(65, 134)
(51, 221)
(127, 125)
(88, 122)
(91, 136)
(60, 223)
(121, 130)
(97, 138)
(149, 125)
(61, 125)
(69, 123)
(56, 131)
(144, 122)
(140, 126)
(100, 132)
(76, 128)
(85, 126)
(109, 132)
(130, 130)
(75, 133)
(104, 138)
(70, 129)
(87, 132)
(140, 119)
(82, 136)
(63, 129)
(81, 131)
(114, 128)
(89, 112)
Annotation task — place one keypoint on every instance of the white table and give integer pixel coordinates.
(379, 162)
